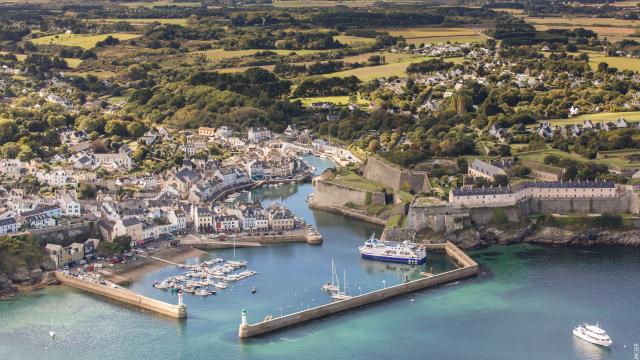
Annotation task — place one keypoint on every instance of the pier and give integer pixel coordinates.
(250, 240)
(468, 267)
(118, 293)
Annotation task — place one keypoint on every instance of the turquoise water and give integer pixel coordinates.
(522, 306)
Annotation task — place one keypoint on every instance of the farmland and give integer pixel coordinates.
(354, 40)
(81, 40)
(631, 116)
(621, 63)
(181, 22)
(336, 100)
(390, 69)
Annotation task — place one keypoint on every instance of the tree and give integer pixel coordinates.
(504, 150)
(8, 130)
(136, 129)
(373, 146)
(116, 127)
(86, 191)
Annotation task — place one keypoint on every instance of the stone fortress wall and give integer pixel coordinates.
(451, 217)
(335, 195)
(393, 177)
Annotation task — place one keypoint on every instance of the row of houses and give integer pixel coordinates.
(250, 217)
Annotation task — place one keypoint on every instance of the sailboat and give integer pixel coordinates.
(334, 284)
(345, 293)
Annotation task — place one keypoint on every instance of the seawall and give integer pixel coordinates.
(329, 194)
(348, 212)
(125, 296)
(395, 177)
(468, 268)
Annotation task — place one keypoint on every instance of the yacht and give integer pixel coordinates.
(332, 286)
(593, 334)
(405, 252)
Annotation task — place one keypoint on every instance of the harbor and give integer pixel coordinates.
(548, 288)
(467, 268)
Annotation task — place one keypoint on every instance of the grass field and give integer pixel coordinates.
(353, 180)
(152, 4)
(181, 22)
(613, 159)
(387, 70)
(423, 32)
(336, 100)
(320, 3)
(622, 63)
(354, 40)
(613, 34)
(630, 116)
(73, 63)
(102, 74)
(444, 39)
(582, 21)
(83, 40)
(219, 54)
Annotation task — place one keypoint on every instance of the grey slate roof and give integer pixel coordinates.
(535, 184)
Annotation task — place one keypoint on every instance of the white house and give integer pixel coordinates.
(257, 134)
(8, 225)
(69, 204)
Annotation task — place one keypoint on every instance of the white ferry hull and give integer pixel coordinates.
(410, 261)
(585, 337)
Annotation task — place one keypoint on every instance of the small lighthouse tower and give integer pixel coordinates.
(244, 325)
(182, 308)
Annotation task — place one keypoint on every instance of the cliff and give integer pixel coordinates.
(23, 265)
(475, 238)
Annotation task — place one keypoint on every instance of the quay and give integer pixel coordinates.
(118, 293)
(297, 235)
(468, 267)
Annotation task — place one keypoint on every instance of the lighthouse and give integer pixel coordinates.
(244, 325)
(182, 308)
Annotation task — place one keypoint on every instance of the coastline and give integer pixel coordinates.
(134, 270)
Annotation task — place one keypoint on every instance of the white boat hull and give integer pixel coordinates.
(586, 337)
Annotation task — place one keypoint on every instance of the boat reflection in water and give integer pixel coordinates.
(585, 350)
(401, 271)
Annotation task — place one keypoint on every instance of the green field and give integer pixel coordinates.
(152, 4)
(336, 100)
(387, 70)
(356, 181)
(73, 63)
(181, 22)
(622, 63)
(444, 39)
(630, 116)
(613, 159)
(219, 54)
(354, 40)
(82, 40)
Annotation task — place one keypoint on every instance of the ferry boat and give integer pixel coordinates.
(401, 252)
(593, 334)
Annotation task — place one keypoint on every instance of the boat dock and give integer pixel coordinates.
(118, 293)
(467, 268)
(297, 235)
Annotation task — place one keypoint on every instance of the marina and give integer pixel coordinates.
(201, 279)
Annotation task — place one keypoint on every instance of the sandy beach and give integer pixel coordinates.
(123, 273)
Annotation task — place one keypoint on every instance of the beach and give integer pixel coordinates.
(124, 273)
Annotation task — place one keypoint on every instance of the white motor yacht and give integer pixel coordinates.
(593, 334)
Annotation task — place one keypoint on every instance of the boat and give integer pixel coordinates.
(405, 252)
(220, 285)
(346, 293)
(333, 285)
(52, 334)
(593, 334)
(202, 292)
(161, 285)
(253, 290)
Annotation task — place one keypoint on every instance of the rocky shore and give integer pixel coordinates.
(481, 237)
(26, 279)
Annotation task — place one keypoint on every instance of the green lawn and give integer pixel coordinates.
(354, 40)
(392, 69)
(622, 63)
(405, 196)
(351, 179)
(218, 54)
(180, 22)
(73, 63)
(630, 116)
(395, 221)
(336, 100)
(83, 40)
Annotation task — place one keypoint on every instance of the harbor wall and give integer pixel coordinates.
(124, 296)
(392, 176)
(330, 194)
(449, 217)
(468, 268)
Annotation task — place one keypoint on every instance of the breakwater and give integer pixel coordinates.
(468, 267)
(123, 295)
(347, 212)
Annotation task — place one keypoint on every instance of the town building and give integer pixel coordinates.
(479, 168)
